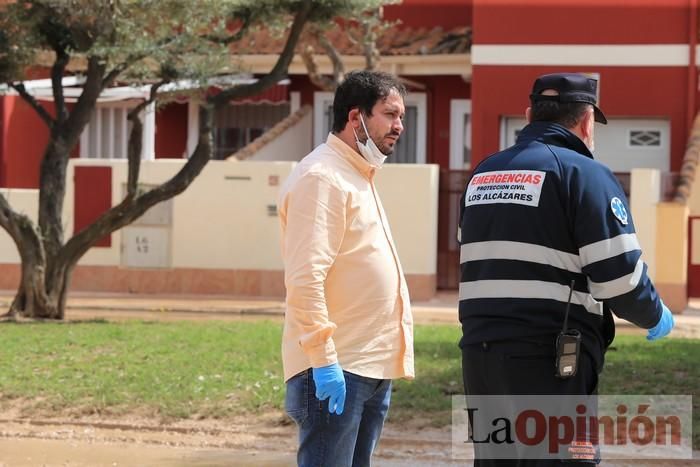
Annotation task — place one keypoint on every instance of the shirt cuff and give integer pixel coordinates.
(322, 354)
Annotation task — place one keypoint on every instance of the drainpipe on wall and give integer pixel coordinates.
(692, 67)
(692, 151)
(2, 141)
(689, 165)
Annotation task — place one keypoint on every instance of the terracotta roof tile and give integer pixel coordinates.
(395, 40)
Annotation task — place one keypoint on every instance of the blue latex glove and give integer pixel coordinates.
(663, 327)
(330, 382)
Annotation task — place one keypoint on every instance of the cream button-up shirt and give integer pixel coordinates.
(347, 299)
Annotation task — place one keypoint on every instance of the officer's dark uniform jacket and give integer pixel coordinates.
(533, 218)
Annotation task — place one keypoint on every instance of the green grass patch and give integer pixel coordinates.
(220, 369)
(180, 369)
(668, 366)
(439, 376)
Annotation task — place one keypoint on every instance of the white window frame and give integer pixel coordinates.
(321, 101)
(416, 99)
(458, 109)
(503, 136)
(294, 101)
(148, 117)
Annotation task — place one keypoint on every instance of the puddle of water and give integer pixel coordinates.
(29, 452)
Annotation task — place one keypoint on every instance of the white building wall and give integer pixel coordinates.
(409, 193)
(23, 201)
(227, 218)
(222, 234)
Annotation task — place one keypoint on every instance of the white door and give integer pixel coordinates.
(623, 144)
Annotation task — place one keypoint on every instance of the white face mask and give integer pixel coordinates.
(369, 149)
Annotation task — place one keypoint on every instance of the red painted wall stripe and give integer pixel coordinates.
(93, 196)
(446, 14)
(581, 22)
(499, 91)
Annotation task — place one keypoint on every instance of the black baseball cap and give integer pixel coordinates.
(572, 87)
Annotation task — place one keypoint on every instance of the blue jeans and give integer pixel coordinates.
(330, 440)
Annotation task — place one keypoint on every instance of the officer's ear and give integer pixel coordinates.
(528, 114)
(587, 124)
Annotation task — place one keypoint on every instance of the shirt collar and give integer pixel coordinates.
(555, 134)
(353, 157)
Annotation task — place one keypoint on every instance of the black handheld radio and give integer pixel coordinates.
(568, 345)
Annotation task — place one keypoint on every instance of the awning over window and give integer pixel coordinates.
(41, 90)
(277, 94)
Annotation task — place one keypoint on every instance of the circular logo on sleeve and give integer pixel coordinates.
(618, 210)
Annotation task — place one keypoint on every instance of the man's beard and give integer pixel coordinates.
(386, 149)
(383, 148)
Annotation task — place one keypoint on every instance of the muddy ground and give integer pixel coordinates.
(265, 440)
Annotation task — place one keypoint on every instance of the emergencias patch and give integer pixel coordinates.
(505, 186)
(618, 210)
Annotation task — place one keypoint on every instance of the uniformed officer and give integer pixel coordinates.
(537, 218)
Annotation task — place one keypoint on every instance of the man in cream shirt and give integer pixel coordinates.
(348, 328)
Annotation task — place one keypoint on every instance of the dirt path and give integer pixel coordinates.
(211, 443)
(122, 443)
(204, 443)
(172, 315)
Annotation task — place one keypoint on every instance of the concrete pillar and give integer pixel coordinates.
(644, 196)
(672, 254)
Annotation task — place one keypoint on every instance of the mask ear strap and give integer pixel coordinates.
(355, 133)
(362, 120)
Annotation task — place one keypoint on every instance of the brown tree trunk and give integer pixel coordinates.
(53, 187)
(36, 297)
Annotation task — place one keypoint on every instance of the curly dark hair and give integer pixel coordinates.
(567, 114)
(362, 89)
